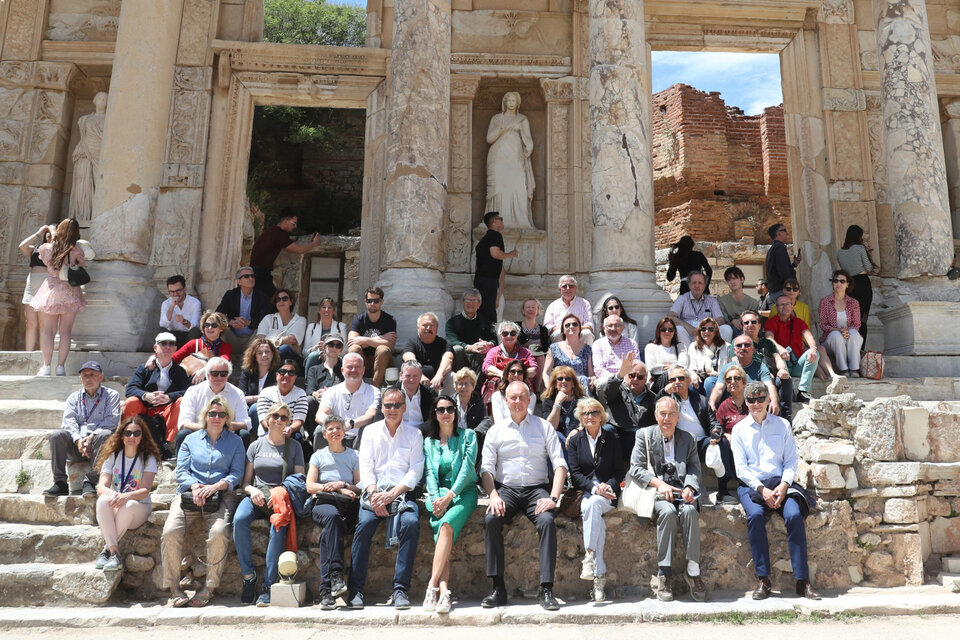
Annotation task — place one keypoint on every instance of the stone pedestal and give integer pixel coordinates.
(410, 292)
(916, 171)
(921, 329)
(622, 174)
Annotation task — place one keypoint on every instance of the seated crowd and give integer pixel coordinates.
(521, 412)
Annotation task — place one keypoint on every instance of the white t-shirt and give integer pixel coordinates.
(688, 420)
(129, 472)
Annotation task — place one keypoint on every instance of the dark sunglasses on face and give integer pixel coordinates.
(131, 434)
(449, 409)
(564, 379)
(839, 281)
(568, 286)
(667, 330)
(591, 413)
(711, 329)
(508, 334)
(515, 372)
(742, 346)
(393, 405)
(791, 289)
(286, 372)
(373, 300)
(219, 374)
(247, 275)
(210, 325)
(571, 325)
(614, 307)
(751, 322)
(216, 414)
(733, 379)
(676, 379)
(757, 400)
(335, 345)
(283, 299)
(167, 343)
(281, 417)
(634, 376)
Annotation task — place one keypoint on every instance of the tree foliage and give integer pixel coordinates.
(314, 22)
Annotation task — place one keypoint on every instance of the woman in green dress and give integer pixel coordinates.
(450, 461)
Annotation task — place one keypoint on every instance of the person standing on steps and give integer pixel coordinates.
(270, 243)
(490, 275)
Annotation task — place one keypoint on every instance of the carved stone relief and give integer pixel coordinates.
(189, 115)
(946, 54)
(95, 20)
(836, 12)
(843, 100)
(22, 38)
(869, 59)
(512, 31)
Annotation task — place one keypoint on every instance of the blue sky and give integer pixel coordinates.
(750, 81)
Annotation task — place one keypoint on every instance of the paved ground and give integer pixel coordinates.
(724, 610)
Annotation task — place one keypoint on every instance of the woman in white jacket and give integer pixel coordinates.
(326, 323)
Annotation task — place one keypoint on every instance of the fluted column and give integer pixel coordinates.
(915, 165)
(622, 174)
(418, 116)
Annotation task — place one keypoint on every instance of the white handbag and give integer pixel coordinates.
(637, 499)
(713, 460)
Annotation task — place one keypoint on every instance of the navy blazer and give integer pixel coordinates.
(587, 471)
(144, 381)
(259, 306)
(249, 382)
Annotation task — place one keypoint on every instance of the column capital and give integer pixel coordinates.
(463, 87)
(559, 89)
(836, 12)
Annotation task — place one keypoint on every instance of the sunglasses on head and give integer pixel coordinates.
(216, 414)
(219, 374)
(132, 434)
(756, 400)
(448, 409)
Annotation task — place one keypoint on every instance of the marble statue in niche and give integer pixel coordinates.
(510, 181)
(86, 160)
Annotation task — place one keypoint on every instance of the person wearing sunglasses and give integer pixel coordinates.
(663, 352)
(323, 375)
(286, 327)
(244, 306)
(825, 370)
(180, 312)
(218, 370)
(839, 316)
(373, 334)
(450, 460)
(210, 461)
(766, 459)
(327, 324)
(128, 464)
(269, 460)
(612, 306)
(695, 305)
(572, 351)
(497, 358)
(796, 345)
(778, 265)
(629, 403)
(708, 353)
(156, 393)
(569, 303)
(193, 355)
(391, 465)
(766, 351)
(734, 407)
(596, 469)
(513, 370)
(90, 416)
(287, 392)
(560, 399)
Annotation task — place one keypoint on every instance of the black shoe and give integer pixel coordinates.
(762, 592)
(806, 590)
(58, 489)
(249, 592)
(546, 599)
(803, 397)
(497, 598)
(327, 602)
(337, 586)
(88, 489)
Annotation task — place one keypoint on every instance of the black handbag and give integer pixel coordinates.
(77, 276)
(212, 504)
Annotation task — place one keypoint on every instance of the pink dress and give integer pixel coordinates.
(56, 296)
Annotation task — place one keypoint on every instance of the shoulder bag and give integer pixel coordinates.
(871, 365)
(637, 499)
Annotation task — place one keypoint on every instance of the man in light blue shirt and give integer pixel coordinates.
(765, 456)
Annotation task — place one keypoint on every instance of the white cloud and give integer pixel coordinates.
(746, 80)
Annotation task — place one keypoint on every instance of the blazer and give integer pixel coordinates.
(684, 452)
(706, 416)
(623, 411)
(463, 471)
(586, 470)
(259, 306)
(249, 382)
(476, 411)
(319, 376)
(428, 397)
(144, 380)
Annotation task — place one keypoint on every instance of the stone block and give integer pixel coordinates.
(829, 450)
(914, 429)
(945, 535)
(916, 328)
(938, 506)
(951, 581)
(950, 564)
(850, 479)
(903, 510)
(827, 476)
(889, 473)
(944, 435)
(288, 594)
(877, 431)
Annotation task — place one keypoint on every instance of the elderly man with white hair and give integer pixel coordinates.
(353, 399)
(434, 354)
(217, 371)
(569, 302)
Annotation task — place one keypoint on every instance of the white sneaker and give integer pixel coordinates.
(589, 566)
(430, 599)
(599, 583)
(44, 370)
(443, 604)
(61, 371)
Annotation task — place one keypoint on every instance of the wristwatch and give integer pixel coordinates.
(555, 500)
(351, 423)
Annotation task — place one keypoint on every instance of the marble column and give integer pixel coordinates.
(122, 301)
(951, 150)
(415, 192)
(622, 175)
(916, 171)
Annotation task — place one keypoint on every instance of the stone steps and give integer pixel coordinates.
(71, 544)
(114, 363)
(20, 387)
(24, 444)
(40, 475)
(920, 389)
(31, 414)
(43, 584)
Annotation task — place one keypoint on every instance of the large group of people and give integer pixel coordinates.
(520, 412)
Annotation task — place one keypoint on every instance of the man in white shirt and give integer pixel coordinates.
(180, 313)
(569, 302)
(419, 397)
(391, 464)
(218, 370)
(353, 399)
(517, 456)
(765, 455)
(693, 306)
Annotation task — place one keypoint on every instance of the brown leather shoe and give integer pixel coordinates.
(806, 590)
(762, 592)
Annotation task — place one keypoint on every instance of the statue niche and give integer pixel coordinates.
(86, 160)
(510, 180)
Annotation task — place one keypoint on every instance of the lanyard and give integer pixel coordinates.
(124, 474)
(83, 404)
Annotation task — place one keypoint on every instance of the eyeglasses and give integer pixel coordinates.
(211, 325)
(174, 292)
(283, 299)
(791, 289)
(571, 325)
(167, 343)
(216, 414)
(591, 413)
(711, 329)
(634, 376)
(281, 417)
(508, 334)
(336, 345)
(742, 346)
(677, 379)
(614, 307)
(733, 379)
(286, 372)
(564, 379)
(450, 409)
(247, 275)
(568, 286)
(373, 300)
(667, 330)
(515, 372)
(750, 321)
(219, 374)
(839, 281)
(756, 400)
(132, 434)
(393, 405)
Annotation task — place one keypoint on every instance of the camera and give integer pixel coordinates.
(669, 474)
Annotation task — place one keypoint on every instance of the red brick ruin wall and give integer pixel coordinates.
(718, 174)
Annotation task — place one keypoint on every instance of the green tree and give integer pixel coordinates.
(314, 22)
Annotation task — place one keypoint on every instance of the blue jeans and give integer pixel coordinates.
(246, 513)
(757, 532)
(409, 534)
(805, 369)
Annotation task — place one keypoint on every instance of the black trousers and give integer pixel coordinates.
(863, 293)
(488, 288)
(516, 500)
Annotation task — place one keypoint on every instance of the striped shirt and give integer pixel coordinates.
(558, 309)
(296, 400)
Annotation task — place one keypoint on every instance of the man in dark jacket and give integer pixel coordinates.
(629, 404)
(155, 390)
(779, 265)
(244, 307)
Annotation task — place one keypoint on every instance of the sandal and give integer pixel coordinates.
(179, 599)
(200, 599)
